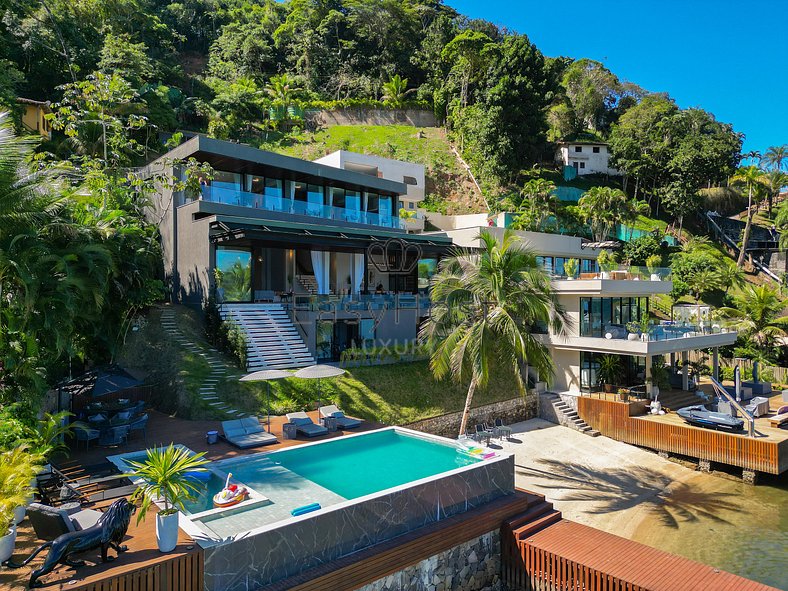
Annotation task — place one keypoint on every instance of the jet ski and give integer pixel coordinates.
(700, 417)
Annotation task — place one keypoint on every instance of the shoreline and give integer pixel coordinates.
(714, 519)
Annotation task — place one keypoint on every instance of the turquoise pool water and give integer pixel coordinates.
(352, 467)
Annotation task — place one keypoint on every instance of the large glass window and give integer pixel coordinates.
(597, 313)
(234, 275)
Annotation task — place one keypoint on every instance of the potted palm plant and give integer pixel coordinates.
(165, 478)
(571, 266)
(607, 263)
(609, 371)
(17, 469)
(652, 263)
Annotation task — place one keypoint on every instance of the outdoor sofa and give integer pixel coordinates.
(51, 522)
(246, 432)
(343, 422)
(305, 425)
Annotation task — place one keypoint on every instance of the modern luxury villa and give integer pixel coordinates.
(309, 259)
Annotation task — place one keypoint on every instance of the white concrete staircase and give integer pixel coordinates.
(273, 341)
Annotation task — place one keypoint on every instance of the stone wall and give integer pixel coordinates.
(511, 411)
(471, 566)
(368, 116)
(549, 413)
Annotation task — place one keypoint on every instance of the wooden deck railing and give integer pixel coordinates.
(181, 573)
(613, 419)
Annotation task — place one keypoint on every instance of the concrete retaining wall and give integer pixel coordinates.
(471, 566)
(511, 411)
(362, 116)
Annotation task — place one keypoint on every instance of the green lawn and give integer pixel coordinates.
(400, 142)
(393, 394)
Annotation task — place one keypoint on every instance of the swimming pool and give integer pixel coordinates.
(371, 487)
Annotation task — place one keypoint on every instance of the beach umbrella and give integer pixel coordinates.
(318, 372)
(266, 375)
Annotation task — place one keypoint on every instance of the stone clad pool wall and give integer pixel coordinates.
(262, 557)
(471, 566)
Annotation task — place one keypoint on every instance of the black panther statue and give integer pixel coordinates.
(108, 532)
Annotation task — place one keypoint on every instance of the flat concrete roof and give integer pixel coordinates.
(232, 157)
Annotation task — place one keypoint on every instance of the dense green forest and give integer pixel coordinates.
(78, 261)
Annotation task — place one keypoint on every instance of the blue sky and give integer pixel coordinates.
(728, 57)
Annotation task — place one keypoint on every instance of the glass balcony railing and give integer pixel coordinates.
(312, 209)
(620, 273)
(360, 303)
(667, 330)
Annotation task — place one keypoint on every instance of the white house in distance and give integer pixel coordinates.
(585, 157)
(410, 173)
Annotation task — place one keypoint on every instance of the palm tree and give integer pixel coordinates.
(729, 275)
(775, 181)
(776, 155)
(283, 89)
(485, 305)
(395, 91)
(538, 203)
(756, 314)
(604, 207)
(750, 178)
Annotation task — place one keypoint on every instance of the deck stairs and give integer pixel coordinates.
(572, 419)
(676, 399)
(539, 515)
(273, 341)
(308, 282)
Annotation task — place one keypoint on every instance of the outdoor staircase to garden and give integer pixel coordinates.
(273, 341)
(209, 388)
(572, 419)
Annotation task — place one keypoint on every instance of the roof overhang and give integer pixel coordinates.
(240, 158)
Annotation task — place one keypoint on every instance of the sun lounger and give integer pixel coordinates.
(305, 425)
(343, 422)
(247, 432)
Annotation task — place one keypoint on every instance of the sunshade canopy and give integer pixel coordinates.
(316, 372)
(266, 374)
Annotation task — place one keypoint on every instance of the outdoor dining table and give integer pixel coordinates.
(104, 407)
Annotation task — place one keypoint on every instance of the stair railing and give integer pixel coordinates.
(723, 393)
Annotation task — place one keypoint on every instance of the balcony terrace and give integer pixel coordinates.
(312, 208)
(623, 280)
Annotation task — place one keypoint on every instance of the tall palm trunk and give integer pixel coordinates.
(747, 229)
(466, 412)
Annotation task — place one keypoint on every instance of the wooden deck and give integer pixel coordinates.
(627, 422)
(142, 567)
(567, 555)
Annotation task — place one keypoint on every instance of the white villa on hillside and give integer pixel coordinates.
(585, 157)
(603, 306)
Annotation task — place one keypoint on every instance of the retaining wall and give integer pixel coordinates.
(511, 411)
(470, 566)
(362, 116)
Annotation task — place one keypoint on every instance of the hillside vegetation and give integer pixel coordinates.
(449, 187)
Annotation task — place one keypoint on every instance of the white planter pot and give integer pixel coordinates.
(19, 513)
(655, 277)
(167, 532)
(605, 275)
(7, 544)
(633, 336)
